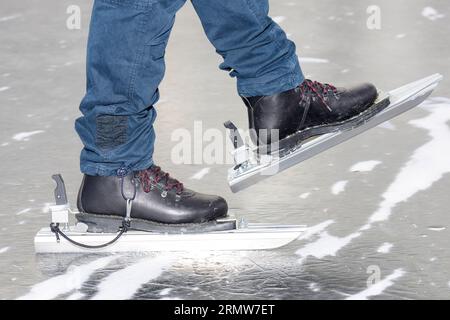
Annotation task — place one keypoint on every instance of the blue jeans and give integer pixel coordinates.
(125, 64)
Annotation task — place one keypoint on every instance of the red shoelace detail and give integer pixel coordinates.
(155, 175)
(319, 89)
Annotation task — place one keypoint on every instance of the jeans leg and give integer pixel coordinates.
(125, 64)
(255, 49)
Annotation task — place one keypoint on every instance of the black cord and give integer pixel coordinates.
(57, 231)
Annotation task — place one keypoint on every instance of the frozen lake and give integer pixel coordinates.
(377, 207)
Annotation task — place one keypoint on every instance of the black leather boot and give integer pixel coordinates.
(309, 110)
(159, 203)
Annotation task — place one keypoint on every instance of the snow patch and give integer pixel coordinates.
(11, 17)
(385, 247)
(436, 228)
(326, 245)
(165, 291)
(427, 165)
(4, 89)
(77, 295)
(314, 287)
(199, 175)
(73, 279)
(387, 125)
(304, 60)
(25, 136)
(310, 231)
(131, 278)
(4, 249)
(365, 166)
(379, 287)
(339, 187)
(304, 195)
(431, 14)
(23, 211)
(279, 19)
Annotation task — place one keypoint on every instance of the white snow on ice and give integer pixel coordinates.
(304, 60)
(131, 278)
(304, 195)
(379, 287)
(325, 245)
(314, 287)
(310, 231)
(339, 187)
(11, 17)
(199, 175)
(279, 19)
(73, 279)
(365, 166)
(431, 14)
(4, 249)
(387, 125)
(436, 228)
(428, 163)
(23, 211)
(400, 36)
(3, 89)
(77, 295)
(24, 136)
(385, 247)
(165, 291)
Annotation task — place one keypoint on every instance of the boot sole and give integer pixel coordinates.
(297, 138)
(111, 224)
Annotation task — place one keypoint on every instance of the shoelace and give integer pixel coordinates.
(319, 89)
(155, 175)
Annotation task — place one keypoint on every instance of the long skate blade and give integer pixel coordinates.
(252, 237)
(402, 99)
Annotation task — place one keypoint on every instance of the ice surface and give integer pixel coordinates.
(131, 278)
(379, 287)
(428, 163)
(71, 280)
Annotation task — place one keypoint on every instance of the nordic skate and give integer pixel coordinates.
(131, 230)
(267, 156)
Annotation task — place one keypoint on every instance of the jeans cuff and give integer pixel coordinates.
(99, 170)
(284, 83)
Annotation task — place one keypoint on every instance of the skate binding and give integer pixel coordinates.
(251, 165)
(228, 233)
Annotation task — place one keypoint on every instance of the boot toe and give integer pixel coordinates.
(366, 93)
(219, 208)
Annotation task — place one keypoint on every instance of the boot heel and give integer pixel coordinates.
(97, 224)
